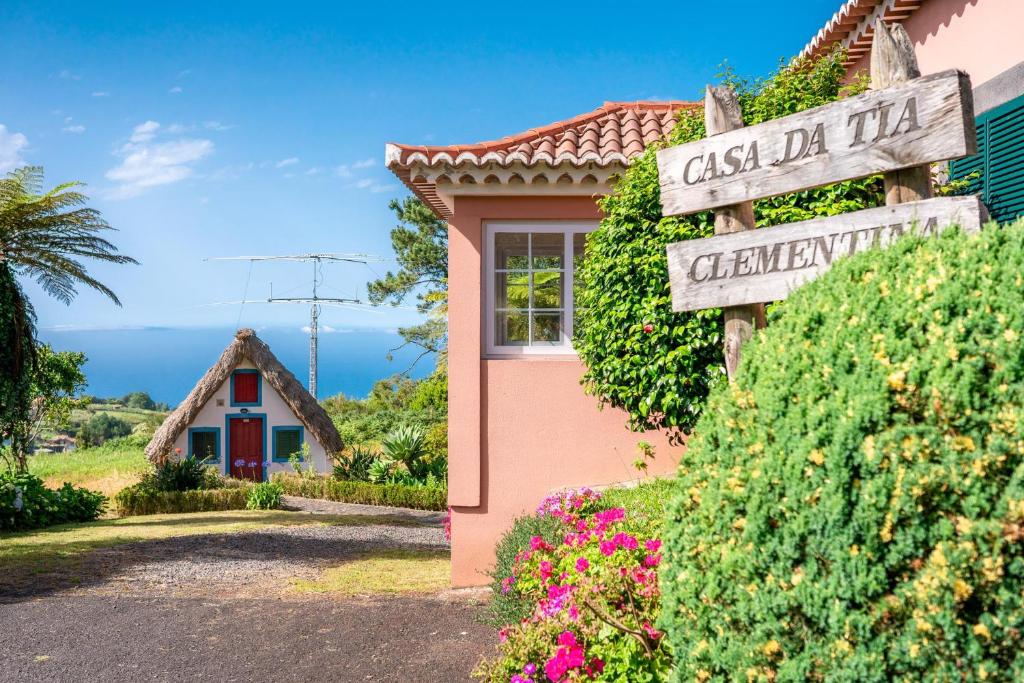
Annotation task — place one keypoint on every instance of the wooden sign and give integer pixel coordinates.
(756, 266)
(917, 122)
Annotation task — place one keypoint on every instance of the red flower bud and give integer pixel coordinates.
(648, 328)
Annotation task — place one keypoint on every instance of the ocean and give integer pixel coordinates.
(167, 362)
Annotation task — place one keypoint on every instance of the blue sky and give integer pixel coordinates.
(211, 129)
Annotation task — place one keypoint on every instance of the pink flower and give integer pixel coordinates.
(506, 583)
(516, 678)
(652, 560)
(530, 669)
(568, 656)
(653, 545)
(537, 543)
(607, 548)
(625, 540)
(546, 570)
(582, 564)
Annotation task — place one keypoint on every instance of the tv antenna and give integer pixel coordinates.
(314, 301)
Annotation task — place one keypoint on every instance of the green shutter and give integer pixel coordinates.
(287, 442)
(1000, 159)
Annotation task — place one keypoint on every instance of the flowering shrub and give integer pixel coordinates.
(567, 505)
(595, 600)
(446, 523)
(25, 503)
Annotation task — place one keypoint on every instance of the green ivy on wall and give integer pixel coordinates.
(655, 364)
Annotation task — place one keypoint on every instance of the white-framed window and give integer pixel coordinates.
(529, 270)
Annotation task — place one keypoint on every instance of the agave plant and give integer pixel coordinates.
(356, 465)
(381, 471)
(407, 445)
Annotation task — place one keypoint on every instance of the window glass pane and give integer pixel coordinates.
(548, 250)
(511, 250)
(547, 290)
(512, 328)
(547, 327)
(204, 445)
(513, 290)
(286, 442)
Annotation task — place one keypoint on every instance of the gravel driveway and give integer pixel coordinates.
(220, 607)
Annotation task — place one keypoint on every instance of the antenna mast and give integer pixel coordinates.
(314, 301)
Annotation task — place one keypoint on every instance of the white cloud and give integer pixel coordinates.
(76, 128)
(290, 161)
(146, 164)
(176, 90)
(322, 329)
(371, 185)
(365, 163)
(11, 145)
(68, 75)
(100, 93)
(216, 125)
(144, 132)
(343, 171)
(314, 170)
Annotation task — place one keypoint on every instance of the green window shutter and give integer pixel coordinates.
(1000, 160)
(287, 440)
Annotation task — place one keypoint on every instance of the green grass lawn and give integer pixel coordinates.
(391, 572)
(107, 469)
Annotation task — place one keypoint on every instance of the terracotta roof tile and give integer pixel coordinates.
(603, 132)
(608, 136)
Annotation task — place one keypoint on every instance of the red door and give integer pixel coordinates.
(246, 451)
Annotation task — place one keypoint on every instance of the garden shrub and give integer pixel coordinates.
(639, 355)
(181, 475)
(852, 508)
(142, 500)
(508, 604)
(265, 496)
(25, 503)
(595, 596)
(419, 497)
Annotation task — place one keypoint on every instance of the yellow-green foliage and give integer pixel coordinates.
(852, 509)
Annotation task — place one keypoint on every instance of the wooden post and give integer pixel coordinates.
(721, 114)
(892, 62)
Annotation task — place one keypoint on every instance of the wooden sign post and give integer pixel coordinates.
(899, 127)
(721, 114)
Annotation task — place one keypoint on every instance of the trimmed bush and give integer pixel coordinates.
(394, 495)
(25, 503)
(852, 508)
(142, 500)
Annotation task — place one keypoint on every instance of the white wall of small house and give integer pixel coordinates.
(277, 412)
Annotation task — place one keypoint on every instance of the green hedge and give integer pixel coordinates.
(394, 495)
(852, 508)
(138, 500)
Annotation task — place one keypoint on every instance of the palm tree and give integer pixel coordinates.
(43, 236)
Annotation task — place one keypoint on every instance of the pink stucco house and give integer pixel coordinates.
(520, 425)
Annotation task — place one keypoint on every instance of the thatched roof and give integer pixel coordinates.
(246, 346)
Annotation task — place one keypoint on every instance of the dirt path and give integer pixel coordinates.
(223, 607)
(91, 638)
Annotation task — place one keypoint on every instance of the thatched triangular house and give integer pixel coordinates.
(247, 416)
